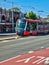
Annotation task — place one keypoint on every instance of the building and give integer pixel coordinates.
(6, 24)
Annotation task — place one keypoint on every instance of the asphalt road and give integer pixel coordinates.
(12, 48)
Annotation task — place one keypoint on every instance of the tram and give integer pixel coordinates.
(26, 27)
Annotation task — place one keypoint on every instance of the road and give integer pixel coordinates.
(12, 48)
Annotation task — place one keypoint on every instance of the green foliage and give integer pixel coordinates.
(14, 9)
(31, 15)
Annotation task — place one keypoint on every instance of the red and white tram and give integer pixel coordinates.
(28, 27)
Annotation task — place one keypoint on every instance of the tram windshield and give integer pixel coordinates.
(21, 24)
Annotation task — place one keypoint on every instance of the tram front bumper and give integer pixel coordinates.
(20, 32)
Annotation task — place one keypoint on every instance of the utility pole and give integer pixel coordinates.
(12, 17)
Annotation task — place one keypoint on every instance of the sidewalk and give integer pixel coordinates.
(7, 34)
(8, 37)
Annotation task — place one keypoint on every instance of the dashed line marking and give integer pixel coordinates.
(5, 41)
(42, 47)
(30, 51)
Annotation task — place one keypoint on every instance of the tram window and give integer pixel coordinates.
(31, 26)
(47, 25)
(28, 27)
(40, 26)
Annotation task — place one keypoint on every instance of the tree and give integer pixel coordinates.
(31, 15)
(16, 9)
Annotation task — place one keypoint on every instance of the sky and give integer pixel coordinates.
(28, 5)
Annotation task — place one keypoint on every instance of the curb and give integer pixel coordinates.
(10, 38)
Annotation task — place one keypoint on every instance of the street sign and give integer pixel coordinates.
(34, 58)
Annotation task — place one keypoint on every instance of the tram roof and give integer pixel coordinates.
(30, 20)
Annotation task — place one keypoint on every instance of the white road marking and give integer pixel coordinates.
(46, 61)
(47, 48)
(26, 60)
(5, 41)
(41, 61)
(42, 47)
(40, 58)
(30, 51)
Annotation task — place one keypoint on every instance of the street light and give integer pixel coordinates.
(39, 13)
(12, 17)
